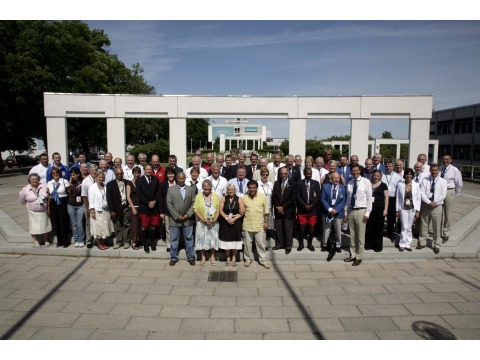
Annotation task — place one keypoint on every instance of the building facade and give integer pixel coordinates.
(458, 132)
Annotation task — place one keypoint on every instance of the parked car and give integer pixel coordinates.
(25, 160)
(10, 161)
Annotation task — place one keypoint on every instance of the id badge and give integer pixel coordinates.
(211, 211)
(334, 201)
(407, 202)
(230, 215)
(79, 199)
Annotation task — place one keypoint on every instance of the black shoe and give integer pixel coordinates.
(436, 250)
(287, 251)
(349, 259)
(323, 249)
(330, 256)
(89, 245)
(338, 249)
(154, 248)
(401, 249)
(278, 247)
(356, 262)
(408, 249)
(300, 248)
(146, 249)
(311, 248)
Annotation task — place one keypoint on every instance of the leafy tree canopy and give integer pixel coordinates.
(55, 56)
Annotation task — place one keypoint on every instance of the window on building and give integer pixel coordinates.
(463, 126)
(477, 125)
(444, 128)
(237, 131)
(476, 153)
(462, 152)
(444, 149)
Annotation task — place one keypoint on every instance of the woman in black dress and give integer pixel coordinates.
(374, 231)
(232, 210)
(133, 205)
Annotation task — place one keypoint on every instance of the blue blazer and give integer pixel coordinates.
(382, 168)
(326, 199)
(347, 174)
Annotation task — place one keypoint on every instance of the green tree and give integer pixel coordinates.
(160, 148)
(55, 56)
(387, 135)
(142, 131)
(197, 133)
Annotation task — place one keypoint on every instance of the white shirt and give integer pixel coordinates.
(316, 175)
(202, 176)
(236, 183)
(62, 188)
(453, 176)
(417, 178)
(188, 182)
(440, 190)
(392, 181)
(109, 176)
(41, 171)
(426, 169)
(219, 186)
(363, 195)
(271, 166)
(266, 190)
(86, 183)
(128, 173)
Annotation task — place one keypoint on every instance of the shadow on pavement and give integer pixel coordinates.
(40, 303)
(431, 331)
(463, 280)
(306, 316)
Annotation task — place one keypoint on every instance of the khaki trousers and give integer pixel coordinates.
(428, 214)
(259, 237)
(447, 211)
(357, 233)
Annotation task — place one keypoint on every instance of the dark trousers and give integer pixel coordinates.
(60, 220)
(391, 215)
(284, 232)
(374, 231)
(121, 226)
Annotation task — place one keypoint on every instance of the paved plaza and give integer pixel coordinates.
(89, 294)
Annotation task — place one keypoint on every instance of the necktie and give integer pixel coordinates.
(334, 195)
(182, 191)
(352, 201)
(240, 185)
(444, 170)
(148, 179)
(416, 178)
(283, 187)
(432, 189)
(307, 183)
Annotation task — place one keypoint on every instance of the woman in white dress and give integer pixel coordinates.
(206, 207)
(101, 225)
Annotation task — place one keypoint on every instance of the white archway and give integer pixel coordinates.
(298, 109)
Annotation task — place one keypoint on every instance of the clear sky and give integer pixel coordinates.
(439, 58)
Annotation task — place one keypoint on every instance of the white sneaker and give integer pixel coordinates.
(76, 244)
(266, 265)
(80, 245)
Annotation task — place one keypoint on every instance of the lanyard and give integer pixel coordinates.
(263, 188)
(218, 182)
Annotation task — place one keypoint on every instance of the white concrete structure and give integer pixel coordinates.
(398, 142)
(298, 109)
(238, 133)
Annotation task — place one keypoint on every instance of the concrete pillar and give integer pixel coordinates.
(178, 140)
(116, 137)
(297, 132)
(230, 144)
(57, 140)
(419, 136)
(222, 143)
(398, 152)
(359, 138)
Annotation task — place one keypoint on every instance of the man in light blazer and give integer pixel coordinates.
(333, 199)
(308, 197)
(180, 199)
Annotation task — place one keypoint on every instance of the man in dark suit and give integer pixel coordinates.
(118, 207)
(283, 200)
(333, 199)
(172, 164)
(253, 166)
(308, 197)
(150, 206)
(180, 199)
(293, 171)
(227, 169)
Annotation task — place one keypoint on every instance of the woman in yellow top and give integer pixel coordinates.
(206, 207)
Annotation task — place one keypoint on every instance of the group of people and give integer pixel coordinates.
(228, 205)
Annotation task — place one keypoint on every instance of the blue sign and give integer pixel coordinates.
(250, 129)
